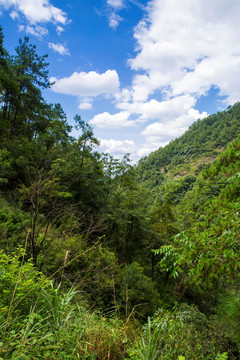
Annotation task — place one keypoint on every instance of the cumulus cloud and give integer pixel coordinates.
(37, 11)
(182, 51)
(124, 95)
(146, 148)
(173, 116)
(160, 133)
(117, 147)
(164, 110)
(59, 48)
(112, 121)
(185, 49)
(89, 84)
(85, 105)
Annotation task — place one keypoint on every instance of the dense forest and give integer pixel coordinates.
(100, 259)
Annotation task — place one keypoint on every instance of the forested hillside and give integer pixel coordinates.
(188, 154)
(103, 260)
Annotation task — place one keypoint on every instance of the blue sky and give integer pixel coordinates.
(140, 72)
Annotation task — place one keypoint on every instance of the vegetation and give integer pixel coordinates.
(103, 260)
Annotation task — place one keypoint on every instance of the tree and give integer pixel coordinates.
(128, 225)
(45, 198)
(22, 78)
(8, 86)
(86, 140)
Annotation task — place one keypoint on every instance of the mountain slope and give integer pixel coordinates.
(190, 153)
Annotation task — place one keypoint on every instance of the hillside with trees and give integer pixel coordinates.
(100, 259)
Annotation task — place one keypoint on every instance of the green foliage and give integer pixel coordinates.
(210, 253)
(20, 283)
(58, 306)
(138, 290)
(202, 259)
(92, 269)
(184, 333)
(12, 226)
(229, 313)
(54, 325)
(89, 223)
(5, 165)
(222, 356)
(203, 140)
(147, 347)
(128, 227)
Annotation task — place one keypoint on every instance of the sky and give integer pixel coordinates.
(139, 72)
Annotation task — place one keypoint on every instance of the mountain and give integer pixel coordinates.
(193, 151)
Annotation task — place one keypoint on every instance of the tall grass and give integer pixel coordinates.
(147, 346)
(44, 321)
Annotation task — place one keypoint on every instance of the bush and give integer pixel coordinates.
(139, 289)
(41, 321)
(184, 333)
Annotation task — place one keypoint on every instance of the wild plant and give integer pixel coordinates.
(58, 305)
(147, 346)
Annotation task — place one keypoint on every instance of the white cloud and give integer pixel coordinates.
(59, 29)
(59, 48)
(14, 15)
(112, 121)
(85, 105)
(114, 20)
(116, 4)
(36, 11)
(160, 133)
(124, 95)
(185, 49)
(38, 31)
(147, 148)
(164, 110)
(173, 116)
(117, 147)
(87, 84)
